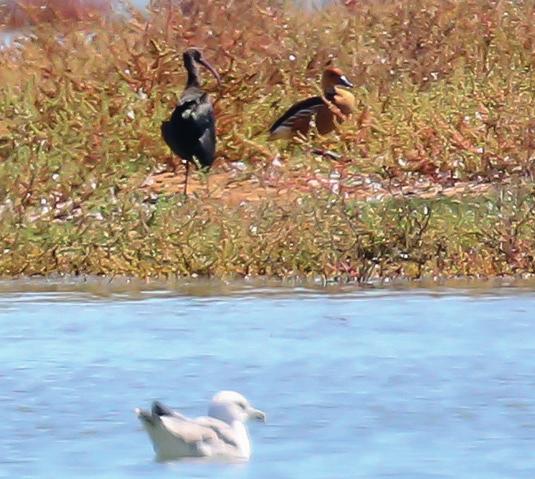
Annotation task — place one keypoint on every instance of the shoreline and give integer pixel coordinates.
(135, 288)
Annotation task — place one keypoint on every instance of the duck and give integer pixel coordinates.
(190, 132)
(332, 108)
(222, 434)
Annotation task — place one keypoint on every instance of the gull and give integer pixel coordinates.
(221, 434)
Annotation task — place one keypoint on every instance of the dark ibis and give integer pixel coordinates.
(190, 132)
(333, 107)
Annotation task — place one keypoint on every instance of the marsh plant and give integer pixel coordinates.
(445, 96)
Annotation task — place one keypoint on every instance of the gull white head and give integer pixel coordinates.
(230, 406)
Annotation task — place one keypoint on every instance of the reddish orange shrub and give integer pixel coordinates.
(23, 13)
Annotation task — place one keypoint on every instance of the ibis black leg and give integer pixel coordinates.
(186, 180)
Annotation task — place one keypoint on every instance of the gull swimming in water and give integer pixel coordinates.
(220, 434)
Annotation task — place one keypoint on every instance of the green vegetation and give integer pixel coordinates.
(446, 95)
(323, 237)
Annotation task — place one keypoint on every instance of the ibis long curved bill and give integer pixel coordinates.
(211, 69)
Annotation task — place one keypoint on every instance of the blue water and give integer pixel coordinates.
(378, 384)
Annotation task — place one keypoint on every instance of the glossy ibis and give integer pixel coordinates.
(332, 108)
(190, 132)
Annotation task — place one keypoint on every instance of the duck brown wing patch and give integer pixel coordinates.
(325, 120)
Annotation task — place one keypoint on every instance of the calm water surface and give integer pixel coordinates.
(377, 384)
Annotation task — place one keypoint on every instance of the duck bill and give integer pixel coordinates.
(212, 70)
(345, 82)
(257, 415)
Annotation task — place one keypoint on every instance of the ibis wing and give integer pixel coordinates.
(204, 149)
(190, 132)
(196, 112)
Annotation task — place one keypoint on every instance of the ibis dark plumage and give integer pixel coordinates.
(333, 107)
(190, 132)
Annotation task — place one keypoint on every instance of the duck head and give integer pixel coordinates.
(333, 77)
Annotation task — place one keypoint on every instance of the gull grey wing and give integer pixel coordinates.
(187, 430)
(174, 436)
(220, 428)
